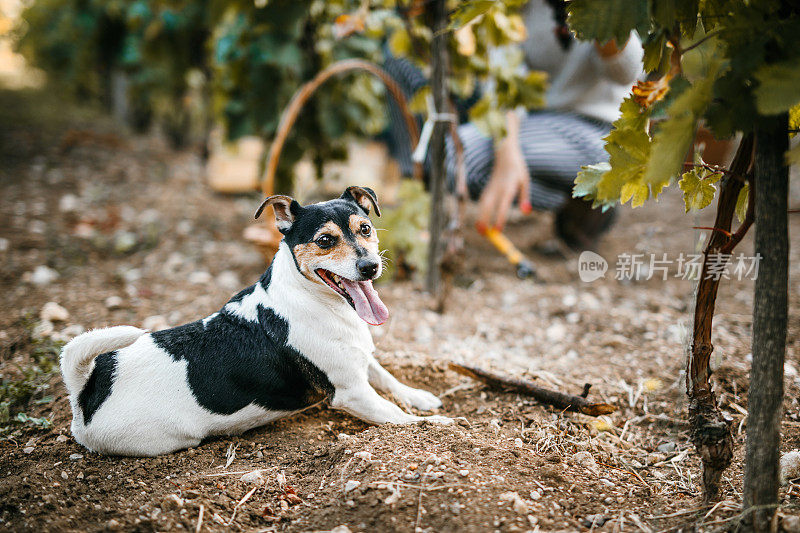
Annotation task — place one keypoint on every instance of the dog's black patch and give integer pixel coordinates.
(311, 217)
(98, 386)
(239, 296)
(233, 362)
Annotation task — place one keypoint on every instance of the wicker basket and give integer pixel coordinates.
(265, 234)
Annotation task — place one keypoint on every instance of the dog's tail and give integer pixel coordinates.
(79, 353)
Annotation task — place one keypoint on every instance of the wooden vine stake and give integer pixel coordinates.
(710, 430)
(438, 220)
(770, 317)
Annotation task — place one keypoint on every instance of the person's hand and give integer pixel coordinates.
(509, 180)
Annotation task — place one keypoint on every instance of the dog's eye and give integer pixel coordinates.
(325, 240)
(366, 230)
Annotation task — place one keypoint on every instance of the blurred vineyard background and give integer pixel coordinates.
(193, 67)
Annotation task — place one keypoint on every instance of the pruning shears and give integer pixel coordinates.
(525, 268)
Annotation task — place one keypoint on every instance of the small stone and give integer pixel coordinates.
(594, 520)
(366, 456)
(413, 466)
(463, 473)
(341, 529)
(423, 334)
(125, 241)
(29, 449)
(351, 484)
(113, 525)
(68, 203)
(254, 478)
(790, 524)
(42, 275)
(64, 475)
(790, 466)
(556, 332)
(79, 476)
(113, 302)
(200, 277)
(518, 443)
(536, 495)
(70, 332)
(155, 323)
(43, 329)
(4, 244)
(343, 437)
(667, 447)
(62, 438)
(517, 503)
(586, 460)
(76, 456)
(172, 501)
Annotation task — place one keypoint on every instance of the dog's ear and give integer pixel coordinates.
(286, 211)
(363, 196)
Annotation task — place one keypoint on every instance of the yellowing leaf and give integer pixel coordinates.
(348, 24)
(419, 102)
(698, 188)
(742, 201)
(487, 118)
(465, 40)
(637, 193)
(511, 26)
(646, 93)
(794, 119)
(602, 424)
(400, 43)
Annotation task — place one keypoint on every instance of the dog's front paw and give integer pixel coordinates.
(420, 399)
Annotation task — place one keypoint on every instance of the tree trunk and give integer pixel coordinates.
(710, 431)
(769, 321)
(439, 62)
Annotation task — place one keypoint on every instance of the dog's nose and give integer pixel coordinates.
(367, 268)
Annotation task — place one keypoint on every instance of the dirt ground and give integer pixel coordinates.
(131, 234)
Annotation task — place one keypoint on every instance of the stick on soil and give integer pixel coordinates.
(559, 400)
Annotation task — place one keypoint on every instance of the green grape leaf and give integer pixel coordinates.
(603, 20)
(487, 118)
(466, 12)
(778, 88)
(587, 179)
(628, 146)
(698, 188)
(741, 202)
(586, 185)
(675, 134)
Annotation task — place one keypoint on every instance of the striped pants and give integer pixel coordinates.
(555, 145)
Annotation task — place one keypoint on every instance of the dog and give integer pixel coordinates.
(297, 336)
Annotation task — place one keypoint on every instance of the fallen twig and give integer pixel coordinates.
(236, 507)
(200, 519)
(559, 400)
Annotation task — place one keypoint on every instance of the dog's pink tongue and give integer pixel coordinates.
(368, 304)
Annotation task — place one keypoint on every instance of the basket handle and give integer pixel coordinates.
(302, 95)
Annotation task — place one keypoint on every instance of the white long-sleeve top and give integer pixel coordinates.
(581, 80)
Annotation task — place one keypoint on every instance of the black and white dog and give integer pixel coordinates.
(295, 337)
